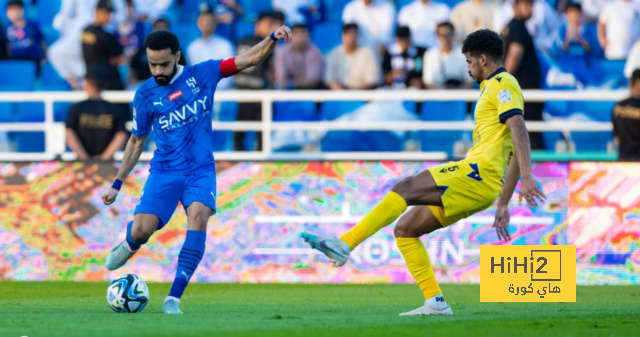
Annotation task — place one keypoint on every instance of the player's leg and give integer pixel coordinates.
(138, 233)
(199, 200)
(420, 189)
(155, 207)
(410, 227)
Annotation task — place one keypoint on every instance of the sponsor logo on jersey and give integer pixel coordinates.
(134, 112)
(180, 117)
(175, 95)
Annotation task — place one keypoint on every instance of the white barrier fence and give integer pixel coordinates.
(55, 131)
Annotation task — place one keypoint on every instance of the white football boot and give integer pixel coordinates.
(119, 255)
(336, 250)
(432, 307)
(171, 306)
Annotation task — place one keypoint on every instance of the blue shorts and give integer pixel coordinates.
(162, 192)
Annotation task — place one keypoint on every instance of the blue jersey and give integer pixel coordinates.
(25, 42)
(180, 114)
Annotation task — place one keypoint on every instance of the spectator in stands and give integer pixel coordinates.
(150, 10)
(575, 49)
(422, 16)
(66, 54)
(226, 11)
(350, 66)
(543, 25)
(626, 122)
(445, 67)
(298, 65)
(471, 15)
(130, 33)
(210, 45)
(139, 68)
(402, 62)
(522, 62)
(296, 11)
(618, 28)
(255, 78)
(102, 52)
(25, 39)
(96, 128)
(375, 19)
(633, 61)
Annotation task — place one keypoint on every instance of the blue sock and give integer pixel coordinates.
(134, 245)
(188, 260)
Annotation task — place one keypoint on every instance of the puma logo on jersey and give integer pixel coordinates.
(158, 103)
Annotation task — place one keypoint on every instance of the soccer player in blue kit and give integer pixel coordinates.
(177, 102)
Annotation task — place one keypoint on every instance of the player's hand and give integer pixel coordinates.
(109, 196)
(501, 223)
(529, 191)
(284, 32)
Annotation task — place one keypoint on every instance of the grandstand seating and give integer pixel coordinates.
(327, 36)
(442, 112)
(303, 111)
(339, 141)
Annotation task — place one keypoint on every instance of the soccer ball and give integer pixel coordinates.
(127, 294)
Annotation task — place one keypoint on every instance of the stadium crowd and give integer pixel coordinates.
(338, 45)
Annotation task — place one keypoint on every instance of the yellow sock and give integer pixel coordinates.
(386, 212)
(419, 265)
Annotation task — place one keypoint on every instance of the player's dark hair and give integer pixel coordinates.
(15, 3)
(448, 25)
(162, 40)
(96, 79)
(573, 5)
(298, 26)
(524, 1)
(349, 26)
(635, 76)
(403, 32)
(484, 41)
(276, 15)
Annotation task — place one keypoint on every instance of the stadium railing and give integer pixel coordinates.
(55, 131)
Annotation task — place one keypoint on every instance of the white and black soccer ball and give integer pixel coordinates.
(127, 294)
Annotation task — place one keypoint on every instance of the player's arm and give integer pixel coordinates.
(520, 138)
(262, 50)
(501, 222)
(132, 153)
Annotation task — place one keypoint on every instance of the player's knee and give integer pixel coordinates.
(198, 221)
(405, 231)
(141, 232)
(403, 187)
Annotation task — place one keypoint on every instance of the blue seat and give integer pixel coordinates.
(327, 36)
(49, 34)
(51, 81)
(243, 30)
(7, 112)
(190, 10)
(598, 111)
(402, 3)
(591, 141)
(61, 111)
(28, 141)
(222, 140)
(338, 141)
(187, 33)
(335, 8)
(30, 112)
(294, 111)
(47, 10)
(17, 75)
(253, 8)
(441, 112)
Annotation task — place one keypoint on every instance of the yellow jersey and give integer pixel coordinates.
(500, 98)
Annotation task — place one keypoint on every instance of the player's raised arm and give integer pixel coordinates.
(262, 50)
(520, 137)
(132, 153)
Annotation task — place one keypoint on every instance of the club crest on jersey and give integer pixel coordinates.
(191, 82)
(175, 95)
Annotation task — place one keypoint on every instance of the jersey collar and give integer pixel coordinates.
(501, 70)
(180, 69)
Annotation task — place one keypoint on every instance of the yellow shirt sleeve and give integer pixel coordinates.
(509, 100)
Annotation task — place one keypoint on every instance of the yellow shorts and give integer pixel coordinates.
(464, 190)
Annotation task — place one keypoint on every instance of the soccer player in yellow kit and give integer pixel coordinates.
(449, 192)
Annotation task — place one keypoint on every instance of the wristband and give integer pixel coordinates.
(273, 37)
(117, 184)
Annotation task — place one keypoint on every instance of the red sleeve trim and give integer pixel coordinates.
(228, 67)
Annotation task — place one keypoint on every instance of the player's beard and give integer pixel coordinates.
(163, 80)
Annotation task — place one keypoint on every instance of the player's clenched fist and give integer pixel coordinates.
(109, 196)
(283, 32)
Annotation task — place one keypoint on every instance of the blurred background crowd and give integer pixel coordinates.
(338, 45)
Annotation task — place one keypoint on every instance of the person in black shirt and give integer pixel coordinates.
(626, 122)
(402, 62)
(139, 67)
(522, 62)
(96, 128)
(255, 78)
(101, 50)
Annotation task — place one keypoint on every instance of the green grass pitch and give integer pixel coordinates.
(70, 309)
